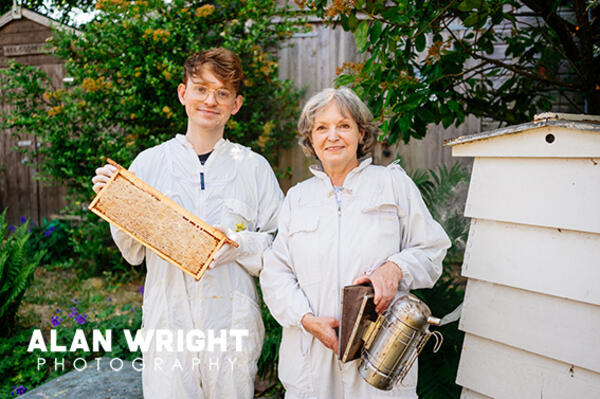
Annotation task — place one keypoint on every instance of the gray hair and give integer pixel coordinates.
(351, 106)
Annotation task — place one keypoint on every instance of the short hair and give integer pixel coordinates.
(224, 63)
(350, 106)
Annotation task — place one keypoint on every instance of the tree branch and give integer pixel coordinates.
(586, 42)
(519, 70)
(552, 43)
(434, 19)
(563, 28)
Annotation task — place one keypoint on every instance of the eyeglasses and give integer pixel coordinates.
(222, 96)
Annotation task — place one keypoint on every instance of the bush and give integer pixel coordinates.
(269, 357)
(437, 371)
(94, 248)
(125, 66)
(17, 265)
(53, 239)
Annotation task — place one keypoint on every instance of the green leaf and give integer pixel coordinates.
(375, 31)
(468, 5)
(420, 42)
(453, 105)
(360, 36)
(472, 19)
(426, 115)
(344, 80)
(352, 22)
(447, 121)
(395, 16)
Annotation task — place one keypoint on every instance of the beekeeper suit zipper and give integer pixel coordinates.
(339, 246)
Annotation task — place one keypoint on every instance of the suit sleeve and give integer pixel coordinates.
(281, 290)
(254, 243)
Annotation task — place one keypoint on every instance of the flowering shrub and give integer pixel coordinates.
(18, 390)
(125, 67)
(53, 238)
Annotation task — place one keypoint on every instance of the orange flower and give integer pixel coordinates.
(56, 110)
(205, 10)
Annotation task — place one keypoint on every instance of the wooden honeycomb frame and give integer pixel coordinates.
(157, 222)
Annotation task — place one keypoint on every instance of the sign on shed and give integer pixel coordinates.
(531, 313)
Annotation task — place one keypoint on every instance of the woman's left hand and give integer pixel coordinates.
(385, 280)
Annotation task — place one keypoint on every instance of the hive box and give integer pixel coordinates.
(531, 313)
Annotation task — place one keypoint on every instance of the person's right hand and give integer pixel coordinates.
(322, 328)
(102, 177)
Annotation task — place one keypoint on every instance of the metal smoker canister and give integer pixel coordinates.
(396, 340)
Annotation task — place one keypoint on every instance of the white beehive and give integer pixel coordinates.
(531, 314)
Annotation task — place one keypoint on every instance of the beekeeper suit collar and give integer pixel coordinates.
(186, 143)
(349, 182)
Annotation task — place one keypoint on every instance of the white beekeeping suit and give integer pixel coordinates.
(235, 188)
(321, 247)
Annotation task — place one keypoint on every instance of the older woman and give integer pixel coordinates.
(352, 222)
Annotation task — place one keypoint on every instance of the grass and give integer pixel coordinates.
(59, 288)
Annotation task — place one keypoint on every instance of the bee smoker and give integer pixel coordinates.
(388, 344)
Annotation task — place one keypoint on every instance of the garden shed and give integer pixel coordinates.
(23, 35)
(531, 312)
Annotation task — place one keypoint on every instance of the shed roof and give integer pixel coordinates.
(570, 121)
(18, 12)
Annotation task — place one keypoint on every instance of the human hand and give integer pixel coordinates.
(322, 328)
(385, 280)
(227, 253)
(103, 175)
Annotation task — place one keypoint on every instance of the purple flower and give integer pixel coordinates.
(109, 299)
(49, 231)
(11, 228)
(18, 390)
(80, 319)
(142, 289)
(57, 311)
(23, 219)
(55, 321)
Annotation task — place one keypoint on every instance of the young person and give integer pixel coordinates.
(226, 185)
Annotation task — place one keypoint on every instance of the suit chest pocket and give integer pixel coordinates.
(305, 246)
(384, 215)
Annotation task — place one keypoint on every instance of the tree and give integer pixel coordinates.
(125, 67)
(439, 61)
(45, 7)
